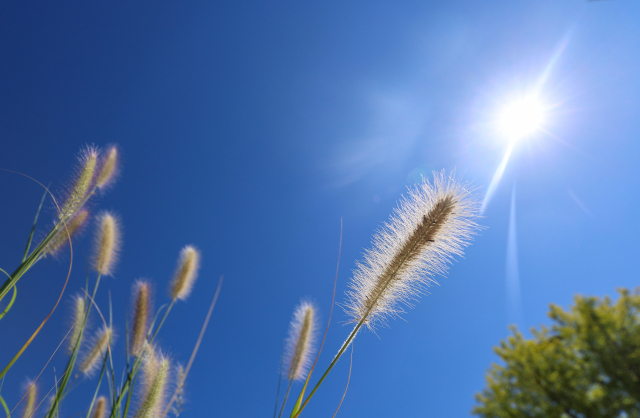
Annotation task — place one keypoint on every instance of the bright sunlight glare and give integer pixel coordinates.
(521, 118)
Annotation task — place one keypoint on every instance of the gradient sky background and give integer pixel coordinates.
(250, 129)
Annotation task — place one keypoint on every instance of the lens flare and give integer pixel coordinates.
(522, 118)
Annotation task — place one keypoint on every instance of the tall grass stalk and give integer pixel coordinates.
(326, 331)
(182, 283)
(196, 347)
(429, 227)
(68, 372)
(156, 375)
(126, 391)
(107, 241)
(299, 345)
(78, 196)
(81, 191)
(97, 173)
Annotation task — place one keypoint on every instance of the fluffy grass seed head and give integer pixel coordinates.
(79, 192)
(74, 226)
(154, 385)
(79, 311)
(141, 307)
(428, 228)
(107, 243)
(100, 408)
(301, 341)
(31, 395)
(92, 360)
(108, 168)
(149, 365)
(186, 273)
(176, 408)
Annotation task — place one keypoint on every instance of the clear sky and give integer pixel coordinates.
(250, 129)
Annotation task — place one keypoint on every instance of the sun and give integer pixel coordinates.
(522, 118)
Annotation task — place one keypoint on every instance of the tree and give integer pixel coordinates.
(587, 365)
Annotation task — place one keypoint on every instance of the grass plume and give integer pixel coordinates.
(100, 408)
(186, 273)
(107, 244)
(140, 317)
(61, 238)
(82, 185)
(299, 345)
(429, 227)
(176, 409)
(31, 395)
(147, 372)
(108, 168)
(101, 342)
(79, 312)
(156, 376)
(301, 340)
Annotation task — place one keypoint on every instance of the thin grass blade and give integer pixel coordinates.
(13, 299)
(33, 228)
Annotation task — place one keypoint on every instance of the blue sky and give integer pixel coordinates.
(250, 129)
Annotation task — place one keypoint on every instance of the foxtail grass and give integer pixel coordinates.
(74, 226)
(183, 279)
(97, 173)
(107, 244)
(156, 376)
(81, 188)
(101, 341)
(79, 315)
(108, 168)
(302, 334)
(186, 273)
(300, 345)
(431, 226)
(100, 408)
(140, 317)
(70, 216)
(31, 396)
(179, 391)
(427, 230)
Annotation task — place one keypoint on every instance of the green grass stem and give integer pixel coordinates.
(32, 259)
(295, 413)
(95, 394)
(13, 299)
(33, 227)
(6, 408)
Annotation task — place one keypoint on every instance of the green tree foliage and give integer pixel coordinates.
(587, 365)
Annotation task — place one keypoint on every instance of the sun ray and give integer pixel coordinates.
(580, 204)
(496, 178)
(554, 60)
(514, 304)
